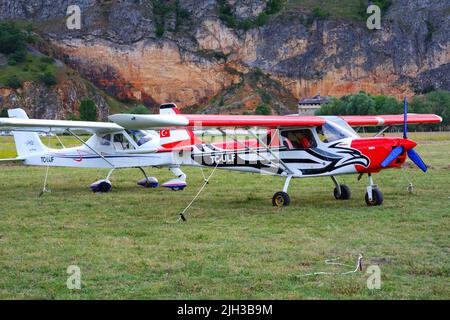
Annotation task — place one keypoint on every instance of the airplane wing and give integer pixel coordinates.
(17, 124)
(396, 119)
(136, 122)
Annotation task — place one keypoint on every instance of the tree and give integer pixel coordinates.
(4, 113)
(88, 110)
(140, 109)
(11, 38)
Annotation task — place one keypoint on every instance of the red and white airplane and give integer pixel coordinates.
(292, 146)
(289, 146)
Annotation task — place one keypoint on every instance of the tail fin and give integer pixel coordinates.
(26, 142)
(168, 108)
(171, 138)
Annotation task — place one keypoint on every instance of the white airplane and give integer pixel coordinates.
(290, 147)
(110, 146)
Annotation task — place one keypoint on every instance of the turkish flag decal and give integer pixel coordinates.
(164, 134)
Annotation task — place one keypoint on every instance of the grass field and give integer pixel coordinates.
(234, 244)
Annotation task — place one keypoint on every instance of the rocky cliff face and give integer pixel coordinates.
(55, 102)
(183, 51)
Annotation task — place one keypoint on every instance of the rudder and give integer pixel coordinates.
(26, 142)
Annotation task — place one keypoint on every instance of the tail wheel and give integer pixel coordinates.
(377, 198)
(281, 199)
(345, 193)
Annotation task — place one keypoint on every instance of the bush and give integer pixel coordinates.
(140, 109)
(13, 82)
(47, 60)
(4, 113)
(319, 13)
(17, 57)
(88, 110)
(72, 117)
(48, 78)
(263, 109)
(159, 30)
(261, 19)
(11, 38)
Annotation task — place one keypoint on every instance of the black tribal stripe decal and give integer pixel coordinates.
(350, 157)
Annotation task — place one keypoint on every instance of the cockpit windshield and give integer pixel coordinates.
(140, 136)
(332, 131)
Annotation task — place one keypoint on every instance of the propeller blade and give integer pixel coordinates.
(405, 118)
(414, 156)
(392, 156)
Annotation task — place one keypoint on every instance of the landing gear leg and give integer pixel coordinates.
(103, 185)
(281, 198)
(176, 184)
(341, 191)
(374, 197)
(147, 182)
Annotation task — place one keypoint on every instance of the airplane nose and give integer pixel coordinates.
(407, 144)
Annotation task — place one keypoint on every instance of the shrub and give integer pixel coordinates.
(46, 60)
(17, 57)
(319, 13)
(263, 109)
(13, 82)
(72, 117)
(274, 6)
(11, 38)
(48, 78)
(88, 110)
(140, 109)
(159, 30)
(261, 19)
(4, 113)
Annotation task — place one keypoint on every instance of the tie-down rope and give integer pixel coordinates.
(182, 214)
(359, 267)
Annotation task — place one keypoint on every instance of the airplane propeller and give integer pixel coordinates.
(414, 156)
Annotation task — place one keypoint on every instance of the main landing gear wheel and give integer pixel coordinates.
(345, 193)
(101, 186)
(177, 188)
(281, 199)
(377, 198)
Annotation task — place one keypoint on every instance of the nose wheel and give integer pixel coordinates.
(373, 197)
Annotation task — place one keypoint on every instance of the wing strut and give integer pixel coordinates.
(286, 168)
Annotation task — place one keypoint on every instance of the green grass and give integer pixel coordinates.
(343, 9)
(234, 244)
(28, 70)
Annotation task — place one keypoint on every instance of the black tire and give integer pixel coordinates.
(281, 199)
(345, 193)
(104, 187)
(377, 198)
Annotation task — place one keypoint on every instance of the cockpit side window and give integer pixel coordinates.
(298, 139)
(121, 142)
(140, 136)
(330, 132)
(105, 140)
